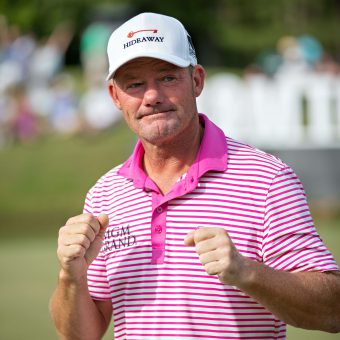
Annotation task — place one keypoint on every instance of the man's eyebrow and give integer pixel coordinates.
(130, 76)
(126, 77)
(169, 68)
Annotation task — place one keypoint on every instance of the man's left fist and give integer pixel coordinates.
(217, 253)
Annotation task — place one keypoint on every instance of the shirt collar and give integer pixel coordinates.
(212, 156)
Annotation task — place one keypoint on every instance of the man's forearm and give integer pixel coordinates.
(74, 313)
(308, 300)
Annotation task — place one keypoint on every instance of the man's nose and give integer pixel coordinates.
(153, 95)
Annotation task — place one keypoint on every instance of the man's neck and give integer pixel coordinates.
(166, 163)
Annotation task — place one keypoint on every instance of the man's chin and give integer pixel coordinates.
(159, 137)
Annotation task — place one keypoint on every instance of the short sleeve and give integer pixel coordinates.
(98, 284)
(290, 240)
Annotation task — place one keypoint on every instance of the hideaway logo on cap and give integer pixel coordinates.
(148, 38)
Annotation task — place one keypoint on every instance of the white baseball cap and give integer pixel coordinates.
(150, 35)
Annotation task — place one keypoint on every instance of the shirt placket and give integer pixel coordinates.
(159, 214)
(158, 228)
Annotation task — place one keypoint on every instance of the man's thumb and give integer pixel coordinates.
(189, 239)
(103, 220)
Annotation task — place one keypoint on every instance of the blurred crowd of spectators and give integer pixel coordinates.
(289, 96)
(295, 54)
(38, 96)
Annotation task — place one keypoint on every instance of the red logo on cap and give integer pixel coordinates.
(131, 34)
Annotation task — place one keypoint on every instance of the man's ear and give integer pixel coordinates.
(113, 93)
(198, 77)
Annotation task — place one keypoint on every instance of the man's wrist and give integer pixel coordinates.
(72, 280)
(245, 275)
(248, 273)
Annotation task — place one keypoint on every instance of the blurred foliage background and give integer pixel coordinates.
(44, 182)
(225, 32)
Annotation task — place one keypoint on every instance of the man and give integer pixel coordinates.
(195, 236)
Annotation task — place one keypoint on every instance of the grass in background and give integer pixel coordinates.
(42, 184)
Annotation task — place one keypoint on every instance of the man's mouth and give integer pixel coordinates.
(154, 113)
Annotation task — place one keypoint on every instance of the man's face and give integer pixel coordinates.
(158, 99)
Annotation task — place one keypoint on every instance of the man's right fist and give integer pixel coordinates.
(79, 243)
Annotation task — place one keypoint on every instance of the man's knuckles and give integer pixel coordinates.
(69, 253)
(78, 250)
(86, 219)
(82, 228)
(80, 239)
(212, 268)
(220, 244)
(206, 233)
(219, 254)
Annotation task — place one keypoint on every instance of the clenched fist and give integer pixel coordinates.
(218, 254)
(79, 243)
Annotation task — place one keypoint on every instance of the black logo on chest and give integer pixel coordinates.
(117, 238)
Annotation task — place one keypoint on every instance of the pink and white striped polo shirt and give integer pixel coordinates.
(158, 287)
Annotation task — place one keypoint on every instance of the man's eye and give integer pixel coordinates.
(168, 78)
(134, 85)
